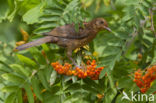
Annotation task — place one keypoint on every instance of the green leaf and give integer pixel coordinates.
(4, 10)
(51, 98)
(7, 69)
(10, 98)
(109, 47)
(90, 89)
(110, 64)
(152, 88)
(45, 48)
(43, 80)
(124, 81)
(53, 77)
(60, 13)
(74, 86)
(32, 16)
(109, 96)
(91, 83)
(114, 91)
(20, 69)
(10, 89)
(26, 5)
(13, 78)
(12, 12)
(26, 60)
(36, 88)
(103, 72)
(38, 56)
(103, 82)
(19, 96)
(29, 93)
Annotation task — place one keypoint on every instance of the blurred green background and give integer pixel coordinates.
(131, 21)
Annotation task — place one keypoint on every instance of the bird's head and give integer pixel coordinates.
(100, 24)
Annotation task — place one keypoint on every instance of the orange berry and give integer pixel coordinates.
(144, 82)
(90, 71)
(88, 62)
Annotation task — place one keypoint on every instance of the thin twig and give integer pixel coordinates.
(129, 42)
(133, 37)
(152, 23)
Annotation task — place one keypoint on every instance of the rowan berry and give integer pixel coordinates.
(144, 81)
(90, 70)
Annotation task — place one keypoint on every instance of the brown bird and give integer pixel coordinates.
(66, 36)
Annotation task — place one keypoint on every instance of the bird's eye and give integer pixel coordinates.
(101, 22)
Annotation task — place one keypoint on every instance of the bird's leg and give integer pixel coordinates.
(81, 54)
(69, 55)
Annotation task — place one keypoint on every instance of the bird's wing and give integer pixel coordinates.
(67, 31)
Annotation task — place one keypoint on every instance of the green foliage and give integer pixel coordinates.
(58, 13)
(30, 73)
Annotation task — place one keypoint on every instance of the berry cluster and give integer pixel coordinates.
(89, 71)
(144, 81)
(92, 71)
(66, 69)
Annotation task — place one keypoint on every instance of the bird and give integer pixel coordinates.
(68, 37)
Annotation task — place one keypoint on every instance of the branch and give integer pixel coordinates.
(129, 42)
(133, 37)
(152, 23)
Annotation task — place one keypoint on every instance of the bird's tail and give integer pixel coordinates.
(35, 43)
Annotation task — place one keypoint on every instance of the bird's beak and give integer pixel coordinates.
(107, 28)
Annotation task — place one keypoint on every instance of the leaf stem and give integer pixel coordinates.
(152, 23)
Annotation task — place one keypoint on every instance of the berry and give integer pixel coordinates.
(90, 70)
(144, 81)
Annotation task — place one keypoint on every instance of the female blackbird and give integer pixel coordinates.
(66, 36)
